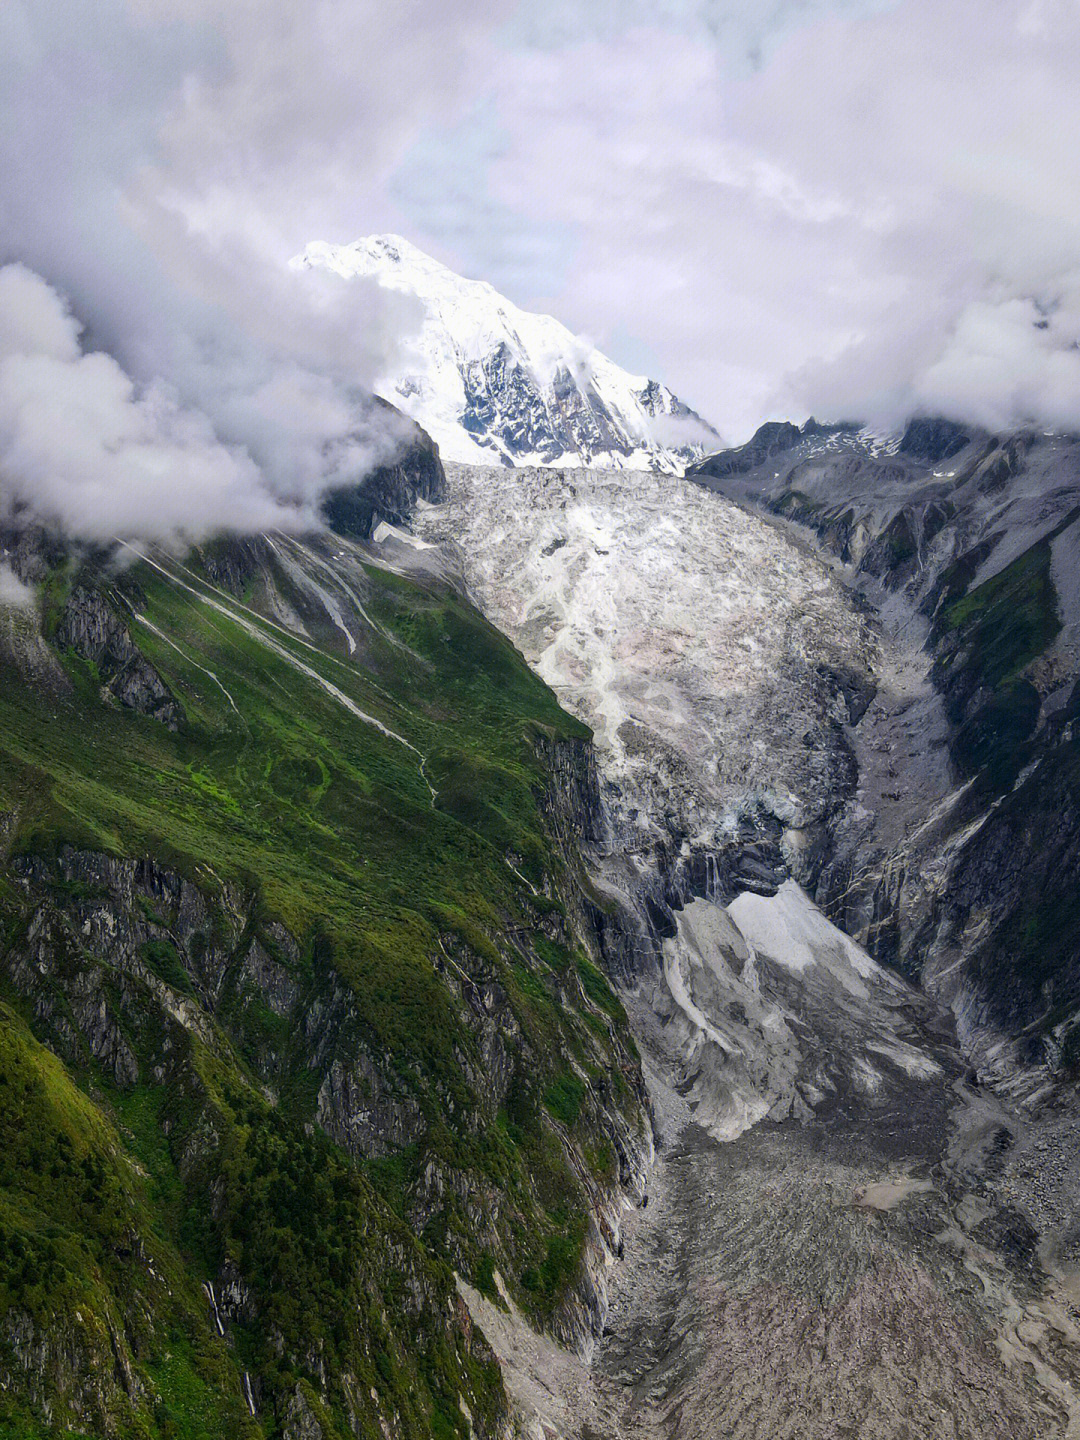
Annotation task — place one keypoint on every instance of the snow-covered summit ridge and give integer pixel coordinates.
(494, 384)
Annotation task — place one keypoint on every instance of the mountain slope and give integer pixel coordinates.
(497, 385)
(298, 1013)
(969, 544)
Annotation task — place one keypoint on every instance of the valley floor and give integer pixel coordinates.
(837, 1278)
(861, 1273)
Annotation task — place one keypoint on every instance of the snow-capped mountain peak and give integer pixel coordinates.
(496, 384)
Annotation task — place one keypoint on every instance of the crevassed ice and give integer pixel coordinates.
(694, 638)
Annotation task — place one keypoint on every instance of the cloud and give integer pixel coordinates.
(82, 447)
(1007, 360)
(162, 160)
(14, 595)
(804, 207)
(852, 207)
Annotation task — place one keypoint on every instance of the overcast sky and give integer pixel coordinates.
(860, 208)
(857, 208)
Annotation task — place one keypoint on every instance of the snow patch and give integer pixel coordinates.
(385, 531)
(790, 929)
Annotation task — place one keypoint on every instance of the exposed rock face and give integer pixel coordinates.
(354, 1107)
(389, 492)
(509, 410)
(773, 439)
(300, 1420)
(91, 628)
(84, 1372)
(30, 550)
(933, 439)
(233, 561)
(969, 543)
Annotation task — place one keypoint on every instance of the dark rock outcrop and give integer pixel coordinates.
(31, 550)
(92, 629)
(775, 437)
(232, 561)
(389, 492)
(933, 439)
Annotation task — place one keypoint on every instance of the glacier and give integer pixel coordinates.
(706, 652)
(829, 1207)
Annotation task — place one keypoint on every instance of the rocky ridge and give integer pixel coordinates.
(966, 544)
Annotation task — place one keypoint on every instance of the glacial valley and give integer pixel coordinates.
(848, 1232)
(601, 936)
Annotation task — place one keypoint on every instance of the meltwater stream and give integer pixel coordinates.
(824, 1252)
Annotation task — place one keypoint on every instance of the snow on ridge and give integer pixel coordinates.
(495, 384)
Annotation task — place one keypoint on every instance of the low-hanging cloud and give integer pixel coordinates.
(860, 208)
(84, 449)
(14, 594)
(162, 160)
(851, 208)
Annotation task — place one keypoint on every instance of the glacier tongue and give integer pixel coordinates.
(712, 659)
(494, 384)
(771, 1012)
(708, 654)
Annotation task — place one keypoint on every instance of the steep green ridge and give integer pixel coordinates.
(989, 638)
(323, 1037)
(1029, 963)
(986, 638)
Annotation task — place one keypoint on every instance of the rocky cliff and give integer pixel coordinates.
(390, 491)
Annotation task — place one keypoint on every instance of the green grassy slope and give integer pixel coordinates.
(425, 946)
(986, 638)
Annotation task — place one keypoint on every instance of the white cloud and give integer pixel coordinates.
(1006, 360)
(848, 206)
(14, 594)
(162, 160)
(82, 447)
(808, 206)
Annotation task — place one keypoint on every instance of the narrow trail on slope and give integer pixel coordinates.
(304, 581)
(335, 574)
(167, 640)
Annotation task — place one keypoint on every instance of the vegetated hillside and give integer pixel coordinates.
(298, 1011)
(972, 540)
